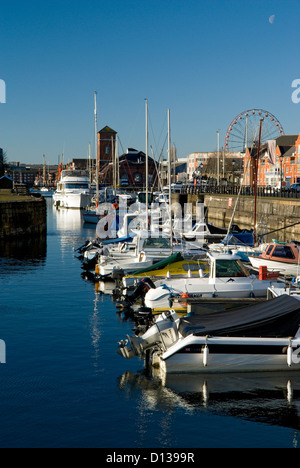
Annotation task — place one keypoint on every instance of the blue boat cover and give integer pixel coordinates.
(241, 238)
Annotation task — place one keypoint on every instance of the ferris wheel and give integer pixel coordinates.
(243, 132)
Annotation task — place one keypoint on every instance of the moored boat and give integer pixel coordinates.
(227, 278)
(175, 266)
(260, 338)
(279, 257)
(73, 190)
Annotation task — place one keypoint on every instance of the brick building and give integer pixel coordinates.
(106, 146)
(279, 162)
(131, 170)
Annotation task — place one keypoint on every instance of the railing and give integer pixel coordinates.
(247, 191)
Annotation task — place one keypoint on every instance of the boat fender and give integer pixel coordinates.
(205, 355)
(184, 296)
(290, 355)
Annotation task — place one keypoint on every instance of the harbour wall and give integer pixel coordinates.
(275, 213)
(23, 218)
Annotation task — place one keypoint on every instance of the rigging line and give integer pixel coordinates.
(239, 194)
(119, 140)
(161, 133)
(135, 123)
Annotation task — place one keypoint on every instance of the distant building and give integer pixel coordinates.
(6, 183)
(131, 170)
(206, 163)
(21, 174)
(106, 146)
(279, 162)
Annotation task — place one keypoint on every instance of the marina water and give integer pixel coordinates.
(63, 385)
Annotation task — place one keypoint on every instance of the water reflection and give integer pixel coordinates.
(69, 226)
(270, 398)
(20, 256)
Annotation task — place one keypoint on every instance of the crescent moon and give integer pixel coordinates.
(272, 19)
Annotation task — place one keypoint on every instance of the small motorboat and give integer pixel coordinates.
(263, 337)
(279, 257)
(126, 265)
(175, 266)
(227, 277)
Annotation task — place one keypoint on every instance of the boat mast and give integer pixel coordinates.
(90, 168)
(169, 176)
(147, 169)
(218, 157)
(256, 179)
(96, 152)
(44, 171)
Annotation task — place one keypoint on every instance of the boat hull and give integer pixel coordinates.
(289, 269)
(159, 298)
(126, 267)
(72, 200)
(227, 363)
(227, 355)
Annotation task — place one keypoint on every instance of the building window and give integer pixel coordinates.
(107, 149)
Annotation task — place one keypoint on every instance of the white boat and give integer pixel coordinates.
(126, 256)
(202, 231)
(73, 190)
(91, 216)
(260, 338)
(227, 278)
(283, 258)
(126, 265)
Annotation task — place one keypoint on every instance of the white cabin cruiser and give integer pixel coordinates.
(73, 190)
(260, 338)
(227, 278)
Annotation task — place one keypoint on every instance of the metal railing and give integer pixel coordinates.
(246, 191)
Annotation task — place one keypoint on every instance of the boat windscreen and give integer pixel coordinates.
(230, 269)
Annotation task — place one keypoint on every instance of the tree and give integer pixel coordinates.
(3, 162)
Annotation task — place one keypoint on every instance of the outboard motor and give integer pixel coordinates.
(163, 334)
(141, 290)
(90, 264)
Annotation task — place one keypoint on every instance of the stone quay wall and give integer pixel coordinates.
(23, 218)
(275, 213)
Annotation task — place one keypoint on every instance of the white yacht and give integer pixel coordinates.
(73, 190)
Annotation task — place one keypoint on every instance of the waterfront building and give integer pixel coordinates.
(278, 164)
(209, 165)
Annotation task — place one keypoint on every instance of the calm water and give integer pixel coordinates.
(64, 385)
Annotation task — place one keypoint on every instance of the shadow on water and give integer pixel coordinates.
(27, 254)
(269, 398)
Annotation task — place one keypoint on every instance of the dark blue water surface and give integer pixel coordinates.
(63, 384)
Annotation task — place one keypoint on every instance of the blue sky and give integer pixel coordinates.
(206, 61)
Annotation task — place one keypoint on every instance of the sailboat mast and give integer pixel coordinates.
(44, 171)
(170, 176)
(256, 180)
(96, 152)
(147, 168)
